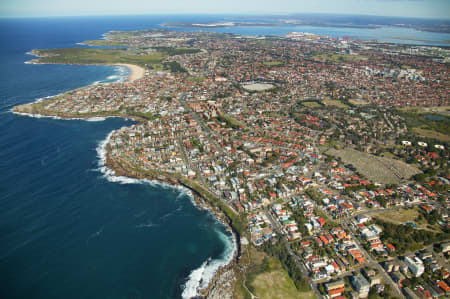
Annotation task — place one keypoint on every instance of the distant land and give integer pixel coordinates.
(324, 20)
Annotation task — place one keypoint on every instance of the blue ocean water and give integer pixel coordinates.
(66, 231)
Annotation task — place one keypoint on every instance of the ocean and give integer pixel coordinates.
(68, 228)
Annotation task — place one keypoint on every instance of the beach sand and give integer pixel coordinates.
(136, 72)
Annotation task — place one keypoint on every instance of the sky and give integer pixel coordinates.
(402, 8)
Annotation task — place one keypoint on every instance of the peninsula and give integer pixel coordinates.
(327, 158)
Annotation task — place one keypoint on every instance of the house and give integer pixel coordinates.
(361, 285)
(445, 247)
(390, 248)
(415, 265)
(335, 288)
(398, 278)
(424, 254)
(443, 286)
(426, 208)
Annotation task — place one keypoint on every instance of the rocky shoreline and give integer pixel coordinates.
(221, 285)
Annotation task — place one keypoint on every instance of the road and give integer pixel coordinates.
(387, 279)
(201, 124)
(278, 229)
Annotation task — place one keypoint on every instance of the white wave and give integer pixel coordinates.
(163, 218)
(97, 233)
(81, 44)
(122, 73)
(29, 53)
(139, 214)
(146, 225)
(91, 119)
(195, 278)
(199, 278)
(37, 115)
(112, 77)
(96, 119)
(110, 175)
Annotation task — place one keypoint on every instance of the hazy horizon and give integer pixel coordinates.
(434, 9)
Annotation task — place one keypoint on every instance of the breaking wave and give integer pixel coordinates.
(199, 278)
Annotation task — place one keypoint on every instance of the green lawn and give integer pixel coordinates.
(333, 57)
(311, 104)
(103, 42)
(97, 56)
(272, 63)
(276, 283)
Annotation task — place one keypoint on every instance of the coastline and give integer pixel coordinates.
(118, 172)
(202, 281)
(136, 72)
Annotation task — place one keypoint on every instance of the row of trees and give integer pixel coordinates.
(407, 239)
(280, 251)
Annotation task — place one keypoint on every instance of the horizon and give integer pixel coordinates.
(421, 9)
(281, 15)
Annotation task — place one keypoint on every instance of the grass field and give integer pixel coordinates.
(275, 283)
(432, 134)
(333, 57)
(98, 56)
(103, 42)
(266, 277)
(272, 63)
(376, 169)
(311, 104)
(405, 215)
(399, 216)
(196, 79)
(443, 110)
(358, 102)
(335, 103)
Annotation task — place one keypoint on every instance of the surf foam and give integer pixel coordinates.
(199, 278)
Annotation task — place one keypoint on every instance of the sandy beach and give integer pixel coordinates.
(136, 72)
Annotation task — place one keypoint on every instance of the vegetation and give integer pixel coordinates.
(332, 57)
(426, 122)
(377, 169)
(311, 104)
(280, 251)
(230, 122)
(269, 280)
(98, 56)
(146, 116)
(406, 239)
(103, 43)
(432, 134)
(358, 102)
(335, 103)
(172, 51)
(174, 67)
(272, 63)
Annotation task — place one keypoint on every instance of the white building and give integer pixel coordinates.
(415, 265)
